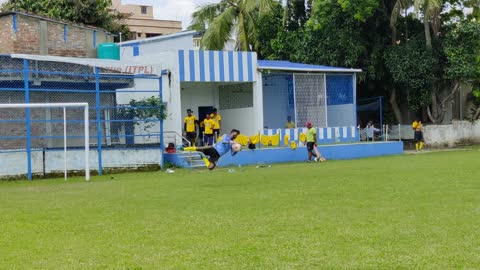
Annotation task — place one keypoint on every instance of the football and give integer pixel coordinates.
(236, 147)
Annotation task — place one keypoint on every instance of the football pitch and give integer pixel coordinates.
(403, 212)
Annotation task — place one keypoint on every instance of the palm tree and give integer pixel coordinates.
(431, 11)
(398, 6)
(228, 18)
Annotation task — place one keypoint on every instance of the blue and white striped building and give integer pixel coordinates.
(251, 95)
(216, 66)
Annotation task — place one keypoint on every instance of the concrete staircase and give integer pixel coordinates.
(192, 159)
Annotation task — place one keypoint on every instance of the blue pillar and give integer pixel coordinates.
(27, 119)
(98, 120)
(162, 147)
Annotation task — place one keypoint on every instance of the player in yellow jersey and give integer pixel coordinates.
(290, 123)
(190, 127)
(417, 126)
(312, 144)
(208, 124)
(217, 119)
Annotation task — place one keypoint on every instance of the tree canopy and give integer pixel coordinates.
(415, 52)
(230, 18)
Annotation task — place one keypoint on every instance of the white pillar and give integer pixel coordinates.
(173, 123)
(258, 102)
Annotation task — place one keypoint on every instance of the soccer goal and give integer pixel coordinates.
(58, 106)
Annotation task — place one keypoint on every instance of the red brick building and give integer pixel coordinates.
(24, 33)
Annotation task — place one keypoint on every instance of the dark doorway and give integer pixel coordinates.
(202, 111)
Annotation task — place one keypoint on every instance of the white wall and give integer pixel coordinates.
(170, 86)
(161, 45)
(139, 85)
(196, 95)
(458, 131)
(15, 163)
(241, 119)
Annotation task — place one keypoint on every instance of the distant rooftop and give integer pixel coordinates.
(290, 66)
(158, 38)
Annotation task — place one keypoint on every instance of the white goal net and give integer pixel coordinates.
(44, 138)
(311, 99)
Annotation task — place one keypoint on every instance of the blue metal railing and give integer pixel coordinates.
(25, 130)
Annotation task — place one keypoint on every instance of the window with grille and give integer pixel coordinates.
(236, 96)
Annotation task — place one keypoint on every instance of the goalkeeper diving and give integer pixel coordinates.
(224, 145)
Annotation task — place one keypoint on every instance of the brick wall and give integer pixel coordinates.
(26, 39)
(6, 35)
(32, 38)
(75, 44)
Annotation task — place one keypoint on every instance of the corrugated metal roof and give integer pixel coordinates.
(289, 66)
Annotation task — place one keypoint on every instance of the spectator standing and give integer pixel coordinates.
(208, 124)
(312, 144)
(370, 130)
(217, 119)
(190, 127)
(417, 127)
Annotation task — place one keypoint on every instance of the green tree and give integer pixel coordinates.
(93, 13)
(462, 50)
(296, 13)
(410, 64)
(354, 34)
(431, 17)
(268, 27)
(222, 20)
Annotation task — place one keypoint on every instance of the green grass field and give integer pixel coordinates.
(403, 212)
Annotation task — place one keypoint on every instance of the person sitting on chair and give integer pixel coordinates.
(290, 123)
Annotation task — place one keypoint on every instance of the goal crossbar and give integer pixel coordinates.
(83, 105)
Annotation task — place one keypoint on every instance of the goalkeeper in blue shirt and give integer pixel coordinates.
(214, 152)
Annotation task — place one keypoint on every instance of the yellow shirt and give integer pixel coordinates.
(290, 124)
(190, 122)
(216, 119)
(208, 123)
(417, 126)
(311, 134)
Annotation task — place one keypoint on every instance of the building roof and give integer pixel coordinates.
(289, 66)
(31, 15)
(155, 39)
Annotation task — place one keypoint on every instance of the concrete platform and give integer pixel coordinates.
(285, 155)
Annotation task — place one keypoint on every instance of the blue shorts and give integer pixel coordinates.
(208, 139)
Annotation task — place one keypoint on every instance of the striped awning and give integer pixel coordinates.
(217, 66)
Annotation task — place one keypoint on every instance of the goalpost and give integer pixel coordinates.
(63, 106)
